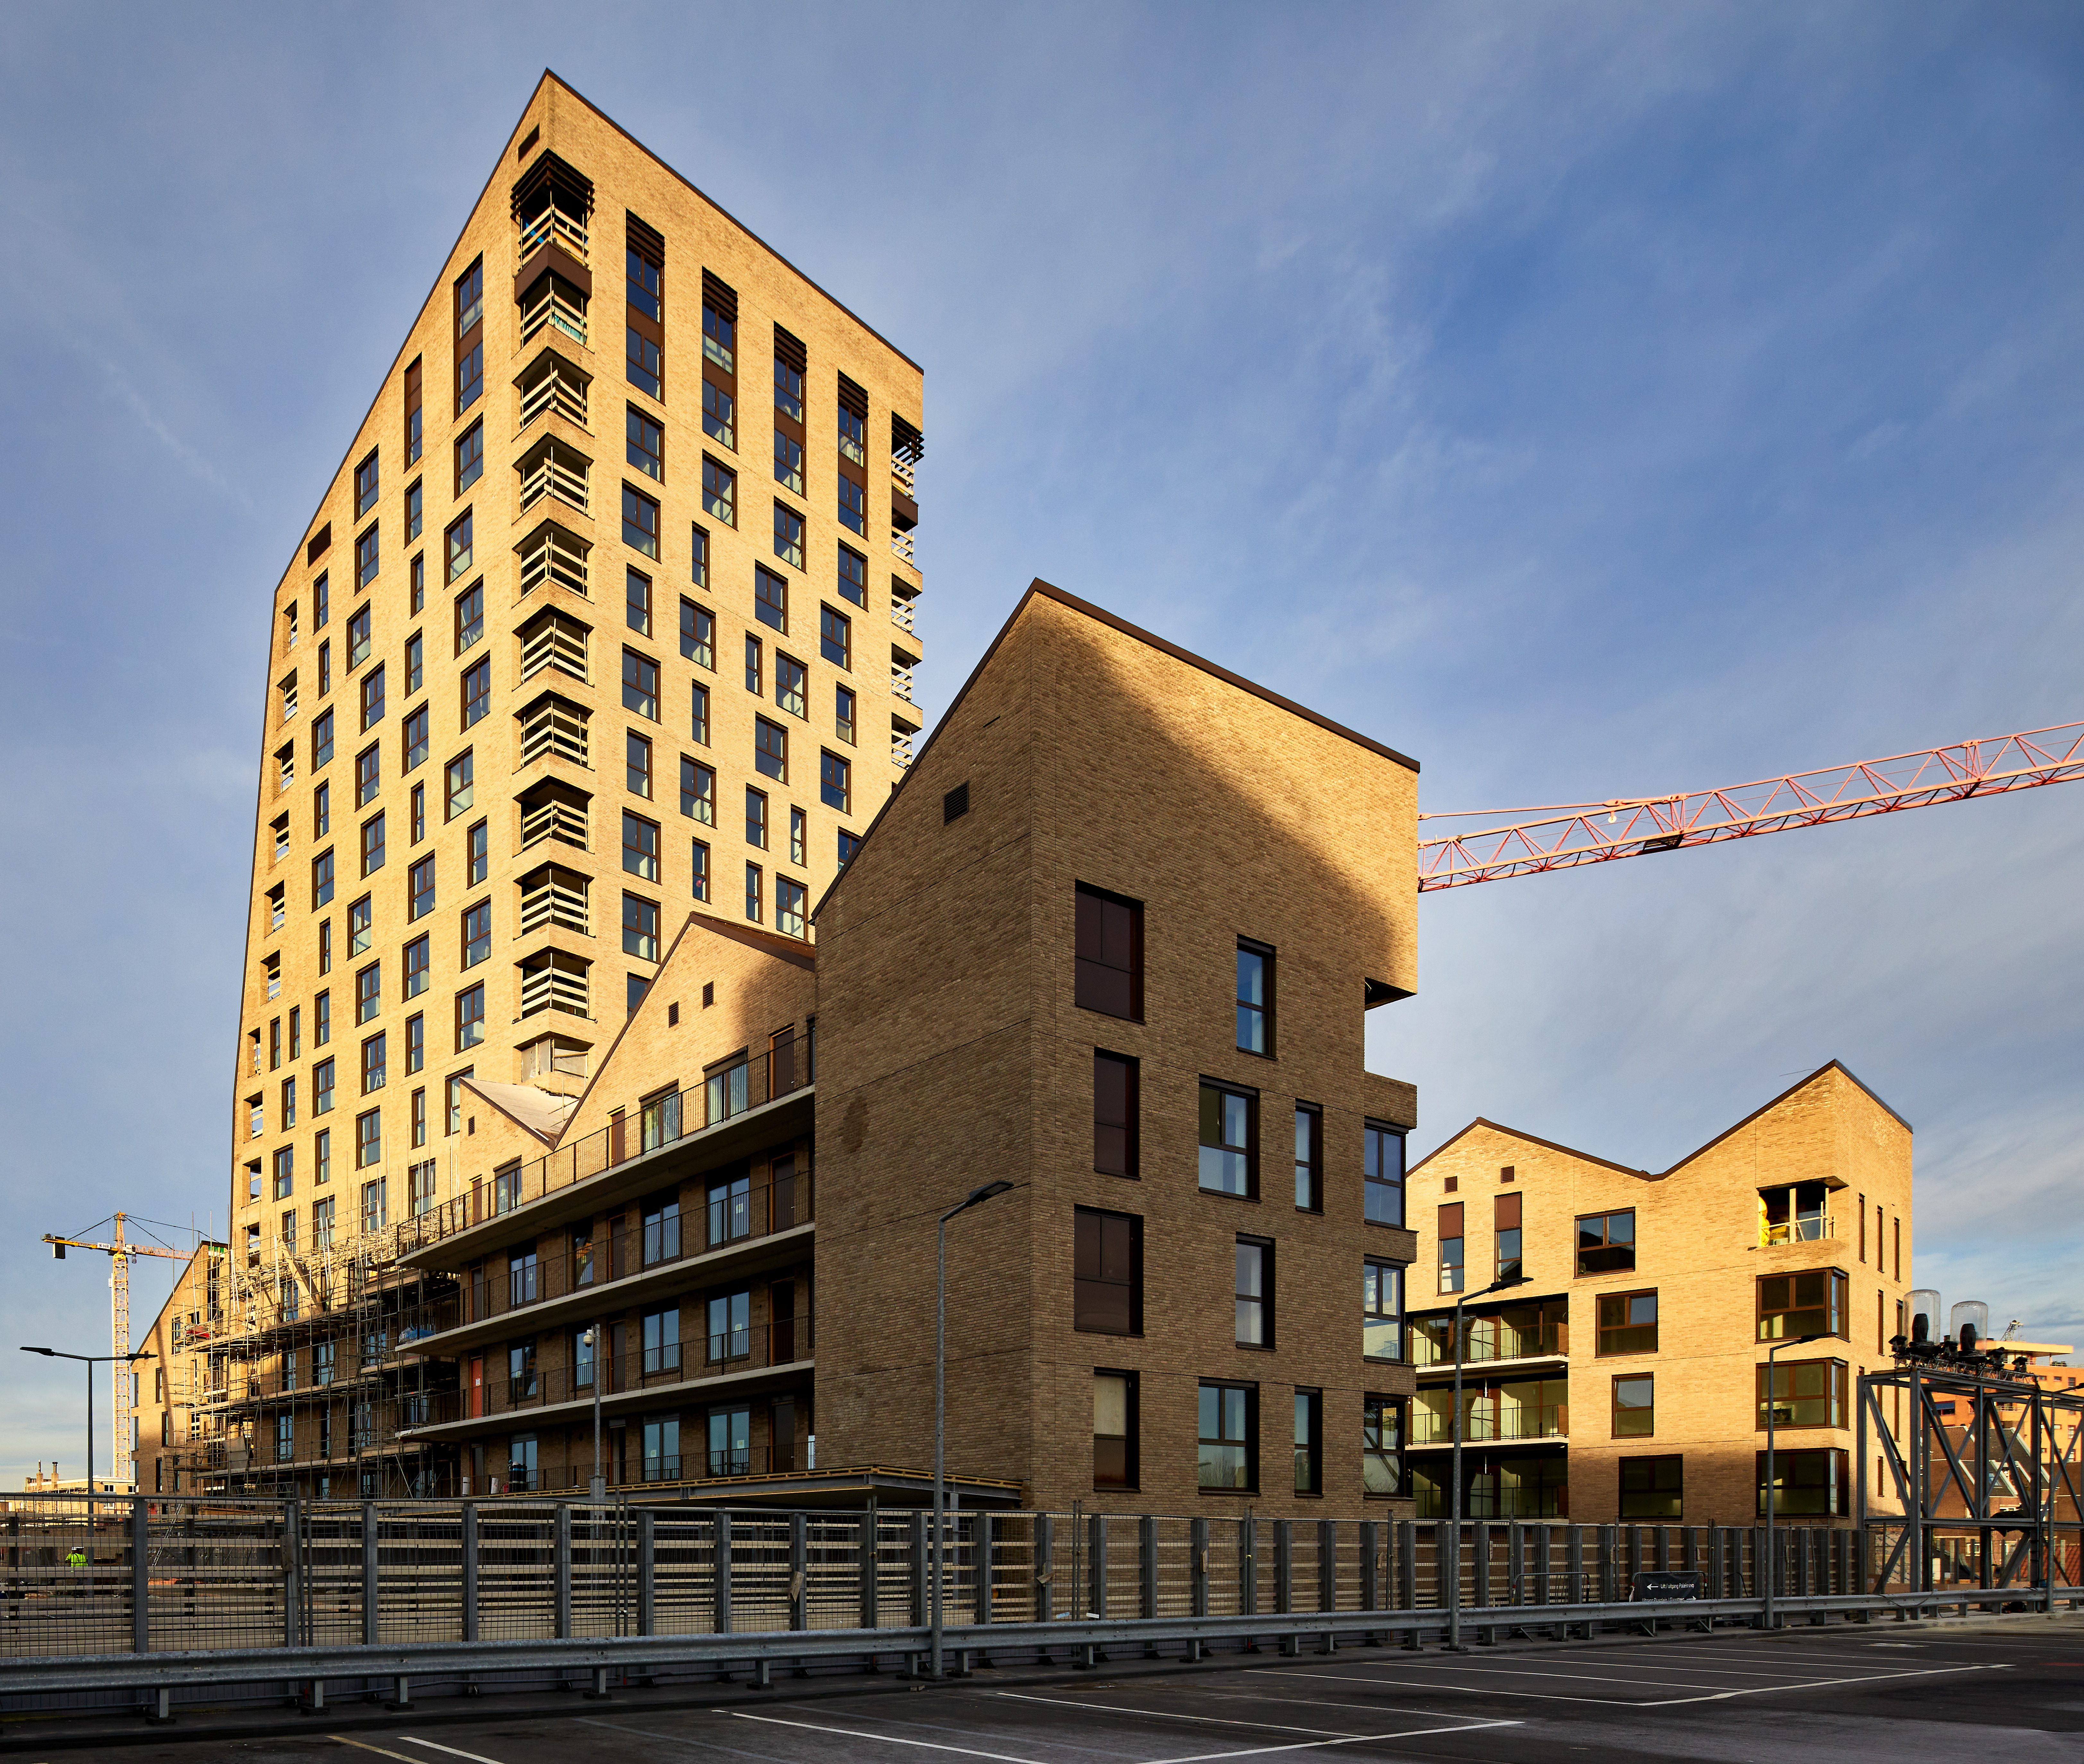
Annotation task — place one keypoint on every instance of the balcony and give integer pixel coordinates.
(550, 469)
(1519, 1332)
(551, 386)
(553, 226)
(557, 305)
(1796, 1213)
(1488, 1420)
(902, 612)
(552, 557)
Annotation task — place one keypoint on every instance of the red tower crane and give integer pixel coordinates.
(1566, 834)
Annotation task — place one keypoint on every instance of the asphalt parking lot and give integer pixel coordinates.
(1890, 1694)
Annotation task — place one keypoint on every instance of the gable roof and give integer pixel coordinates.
(1038, 589)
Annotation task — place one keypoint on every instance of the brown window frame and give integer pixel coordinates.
(1646, 1507)
(1602, 1330)
(1614, 1409)
(1606, 1246)
(1834, 1397)
(1842, 1304)
(1128, 1480)
(1096, 927)
(1094, 1276)
(1113, 1156)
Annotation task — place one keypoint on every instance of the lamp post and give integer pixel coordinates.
(1455, 1524)
(90, 1361)
(977, 1196)
(1768, 1570)
(597, 1488)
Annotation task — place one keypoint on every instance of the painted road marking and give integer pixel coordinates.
(1627, 1702)
(476, 1757)
(367, 1747)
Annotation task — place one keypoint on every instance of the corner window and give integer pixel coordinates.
(1107, 1272)
(1806, 1394)
(1652, 1488)
(1254, 997)
(1381, 1310)
(1114, 1114)
(1381, 1445)
(1606, 1243)
(1627, 1323)
(1792, 1305)
(1228, 1457)
(1381, 1170)
(1108, 972)
(1114, 1430)
(1230, 1140)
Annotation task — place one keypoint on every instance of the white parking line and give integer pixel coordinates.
(1170, 1714)
(1313, 1746)
(476, 1757)
(367, 1747)
(886, 1739)
(1626, 1702)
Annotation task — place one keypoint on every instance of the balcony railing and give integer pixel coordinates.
(736, 1213)
(560, 307)
(758, 1347)
(731, 1090)
(551, 224)
(902, 614)
(901, 685)
(554, 904)
(900, 546)
(551, 476)
(1487, 1338)
(553, 392)
(1484, 1423)
(551, 555)
(1805, 1228)
(554, 820)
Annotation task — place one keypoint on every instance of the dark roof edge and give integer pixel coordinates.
(1529, 1138)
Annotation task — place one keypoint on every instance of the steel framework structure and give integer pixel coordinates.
(1988, 1474)
(1572, 833)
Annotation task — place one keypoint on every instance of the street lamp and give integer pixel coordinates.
(91, 1361)
(977, 1197)
(1455, 1524)
(1768, 1572)
(597, 1488)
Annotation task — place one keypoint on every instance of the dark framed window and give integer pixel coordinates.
(477, 933)
(755, 892)
(699, 550)
(1450, 1235)
(1606, 1243)
(770, 749)
(1230, 1140)
(640, 846)
(836, 637)
(1635, 1407)
(835, 782)
(1108, 972)
(413, 734)
(419, 570)
(1805, 1393)
(415, 514)
(731, 1326)
(1254, 1293)
(1381, 1310)
(477, 854)
(1309, 1158)
(698, 634)
(368, 781)
(788, 535)
(1381, 1171)
(849, 844)
(469, 457)
(1254, 997)
(1812, 1483)
(792, 681)
(719, 325)
(322, 1078)
(470, 617)
(1652, 1488)
(788, 472)
(365, 557)
(1115, 1113)
(702, 871)
(1228, 1455)
(640, 927)
(853, 577)
(414, 425)
(321, 880)
(1114, 1430)
(470, 377)
(852, 506)
(719, 492)
(368, 1138)
(843, 714)
(1309, 1442)
(646, 362)
(644, 444)
(458, 787)
(321, 737)
(1627, 1323)
(719, 414)
(770, 597)
(418, 959)
(1506, 1230)
(1381, 1445)
(697, 791)
(755, 818)
(756, 668)
(1107, 1272)
(365, 485)
(372, 844)
(1810, 1303)
(420, 889)
(470, 1016)
(375, 1065)
(459, 546)
(636, 602)
(640, 685)
(640, 521)
(372, 697)
(792, 902)
(478, 692)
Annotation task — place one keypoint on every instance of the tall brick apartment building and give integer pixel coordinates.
(1113, 942)
(1628, 1378)
(607, 611)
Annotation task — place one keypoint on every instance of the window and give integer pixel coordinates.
(854, 574)
(640, 927)
(1114, 1430)
(853, 505)
(416, 1053)
(1228, 1454)
(697, 635)
(1652, 1488)
(418, 807)
(322, 1020)
(1792, 1305)
(459, 546)
(1115, 1113)
(412, 425)
(1107, 1272)
(322, 1079)
(770, 598)
(470, 1017)
(849, 844)
(476, 693)
(1309, 1442)
(789, 474)
(1309, 1158)
(357, 926)
(415, 512)
(412, 736)
(1606, 1243)
(1811, 1484)
(636, 602)
(836, 637)
(1230, 1140)
(375, 1064)
(420, 889)
(372, 844)
(458, 784)
(369, 993)
(719, 492)
(1108, 972)
(470, 617)
(843, 714)
(1627, 1323)
(1255, 1292)
(469, 299)
(702, 871)
(792, 903)
(321, 737)
(791, 679)
(477, 854)
(753, 896)
(284, 1173)
(1450, 1234)
(1254, 997)
(1506, 1230)
(322, 1212)
(469, 457)
(368, 1143)
(640, 685)
(788, 535)
(372, 697)
(365, 557)
(419, 577)
(644, 444)
(719, 414)
(1383, 1172)
(321, 880)
(646, 362)
(770, 749)
(477, 933)
(699, 717)
(731, 1326)
(365, 486)
(1806, 1394)
(835, 775)
(322, 810)
(640, 846)
(697, 791)
(1635, 1407)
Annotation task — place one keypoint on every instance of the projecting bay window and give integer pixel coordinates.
(1381, 1171)
(1792, 1305)
(552, 557)
(1806, 1394)
(554, 470)
(553, 895)
(554, 981)
(553, 728)
(554, 639)
(1795, 1213)
(551, 386)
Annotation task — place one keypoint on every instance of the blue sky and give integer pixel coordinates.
(1590, 401)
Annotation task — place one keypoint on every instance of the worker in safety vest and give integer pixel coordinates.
(75, 1557)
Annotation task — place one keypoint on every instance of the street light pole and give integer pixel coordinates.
(976, 1196)
(1454, 1476)
(90, 1361)
(1769, 1569)
(597, 1488)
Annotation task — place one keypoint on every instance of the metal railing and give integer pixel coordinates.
(1528, 1422)
(552, 224)
(726, 1091)
(552, 477)
(553, 392)
(1805, 1228)
(1485, 1339)
(902, 614)
(551, 555)
(554, 307)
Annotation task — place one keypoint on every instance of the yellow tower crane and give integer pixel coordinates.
(119, 1252)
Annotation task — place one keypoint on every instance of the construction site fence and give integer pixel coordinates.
(146, 1575)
